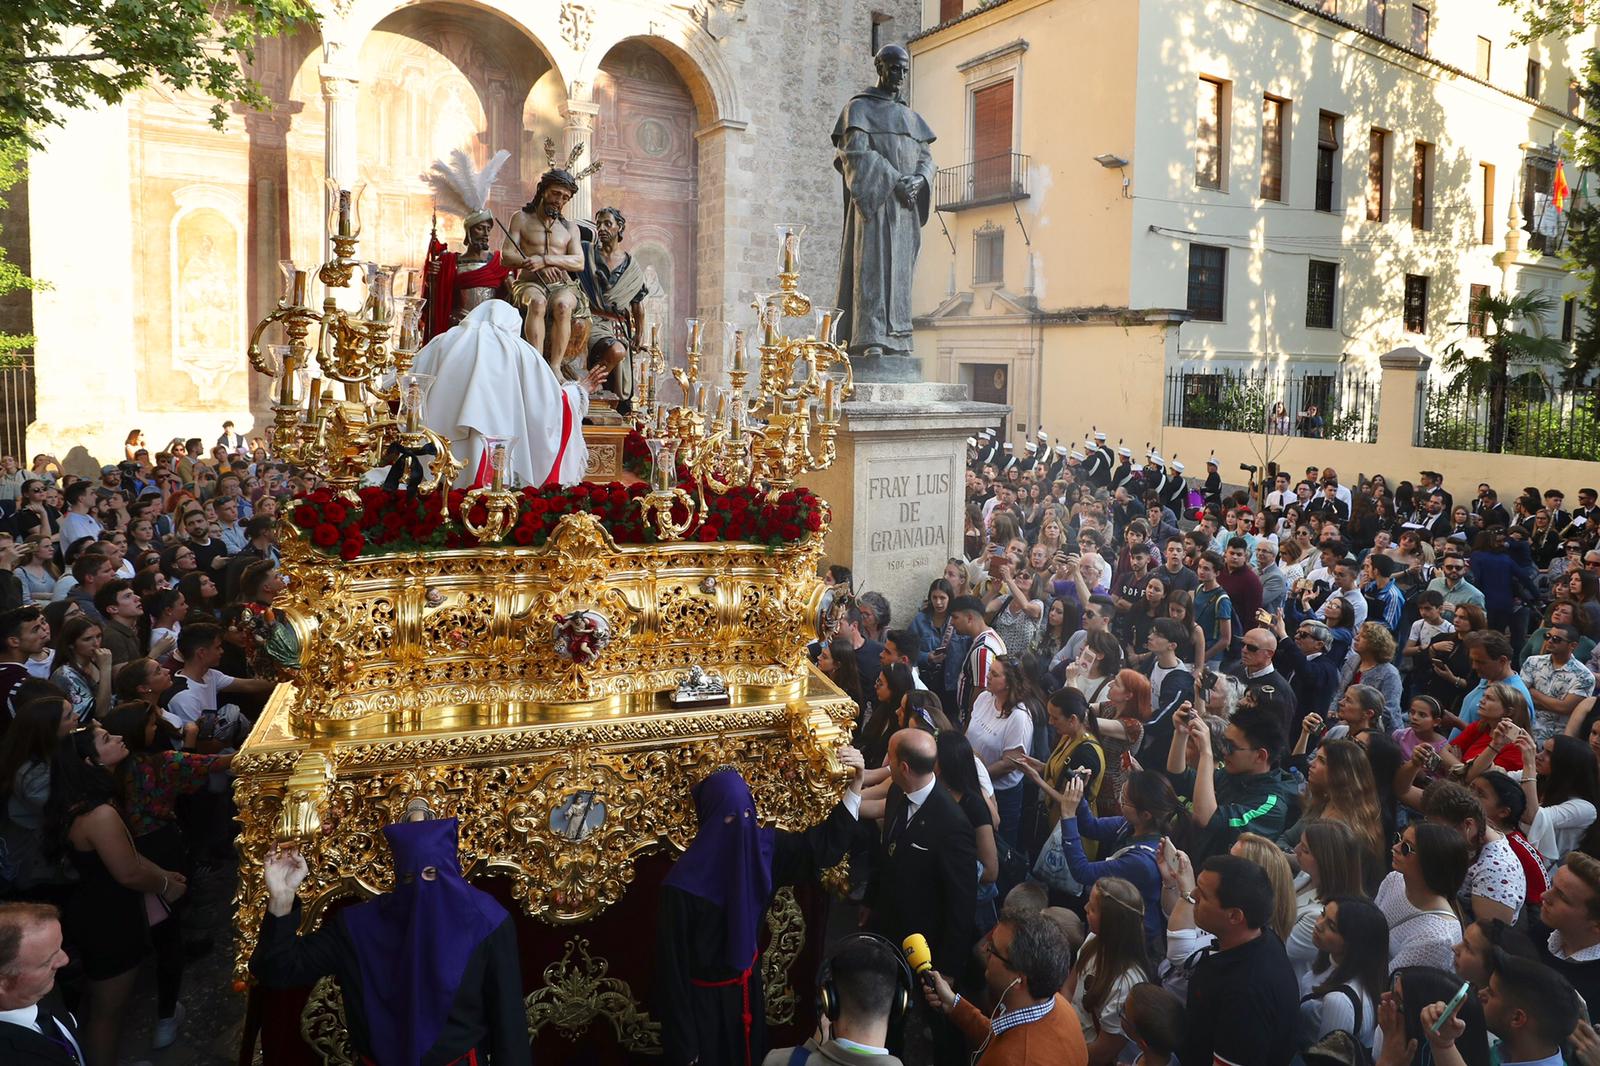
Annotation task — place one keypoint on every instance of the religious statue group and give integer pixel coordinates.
(518, 339)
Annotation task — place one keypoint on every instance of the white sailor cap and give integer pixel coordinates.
(986, 433)
(972, 442)
(1212, 461)
(1042, 435)
(1099, 436)
(1061, 449)
(1009, 447)
(1125, 452)
(1031, 446)
(1078, 456)
(1177, 466)
(1155, 457)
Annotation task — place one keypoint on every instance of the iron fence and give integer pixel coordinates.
(995, 180)
(1538, 421)
(1336, 405)
(16, 406)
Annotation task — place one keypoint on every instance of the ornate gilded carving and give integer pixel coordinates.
(577, 991)
(502, 770)
(322, 1024)
(786, 936)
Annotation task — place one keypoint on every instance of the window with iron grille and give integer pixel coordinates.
(1475, 315)
(1416, 311)
(1422, 186)
(1377, 16)
(988, 256)
(1208, 272)
(949, 9)
(1569, 317)
(1377, 175)
(1539, 215)
(1322, 282)
(1327, 159)
(1535, 83)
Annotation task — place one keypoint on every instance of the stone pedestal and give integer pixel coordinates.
(898, 485)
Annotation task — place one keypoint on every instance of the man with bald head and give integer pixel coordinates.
(923, 882)
(1255, 669)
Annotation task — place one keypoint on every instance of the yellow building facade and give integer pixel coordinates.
(1132, 188)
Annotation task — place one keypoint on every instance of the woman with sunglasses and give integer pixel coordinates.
(1419, 895)
(1077, 752)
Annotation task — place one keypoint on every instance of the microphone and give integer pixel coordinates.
(917, 954)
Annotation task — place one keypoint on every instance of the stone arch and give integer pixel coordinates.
(364, 16)
(692, 54)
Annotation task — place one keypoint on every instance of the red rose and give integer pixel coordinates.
(350, 549)
(325, 535)
(537, 505)
(814, 521)
(522, 535)
(709, 533)
(322, 495)
(305, 516)
(786, 512)
(479, 514)
(393, 521)
(637, 489)
(789, 531)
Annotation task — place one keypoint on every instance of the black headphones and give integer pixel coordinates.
(828, 995)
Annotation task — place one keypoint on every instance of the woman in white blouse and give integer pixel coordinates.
(1418, 897)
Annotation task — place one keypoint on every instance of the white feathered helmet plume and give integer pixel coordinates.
(459, 188)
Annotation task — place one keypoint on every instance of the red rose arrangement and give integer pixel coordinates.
(636, 458)
(386, 522)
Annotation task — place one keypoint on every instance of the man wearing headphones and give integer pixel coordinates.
(863, 994)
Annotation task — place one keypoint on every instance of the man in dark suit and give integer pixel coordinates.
(35, 1028)
(924, 881)
(1313, 675)
(1257, 671)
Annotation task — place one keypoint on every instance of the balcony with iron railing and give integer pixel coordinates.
(999, 179)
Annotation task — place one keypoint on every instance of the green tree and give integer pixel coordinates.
(1503, 345)
(59, 54)
(13, 155)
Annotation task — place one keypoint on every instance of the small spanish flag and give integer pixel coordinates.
(1559, 190)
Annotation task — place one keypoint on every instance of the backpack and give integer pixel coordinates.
(1339, 1048)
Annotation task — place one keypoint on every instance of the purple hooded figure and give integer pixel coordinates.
(708, 988)
(429, 969)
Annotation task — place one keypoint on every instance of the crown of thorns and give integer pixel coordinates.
(565, 169)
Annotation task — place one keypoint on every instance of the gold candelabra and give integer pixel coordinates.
(368, 351)
(767, 435)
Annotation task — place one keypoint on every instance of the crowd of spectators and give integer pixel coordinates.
(136, 648)
(1287, 767)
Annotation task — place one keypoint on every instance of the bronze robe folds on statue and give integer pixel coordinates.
(879, 141)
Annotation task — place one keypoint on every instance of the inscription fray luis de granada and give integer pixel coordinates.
(908, 511)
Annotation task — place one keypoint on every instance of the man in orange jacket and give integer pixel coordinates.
(1026, 960)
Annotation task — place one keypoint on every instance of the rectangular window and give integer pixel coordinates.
(1327, 160)
(1416, 312)
(1210, 135)
(1377, 16)
(1322, 282)
(1422, 186)
(988, 256)
(949, 9)
(1377, 175)
(1485, 54)
(1538, 213)
(1474, 315)
(1486, 202)
(1534, 88)
(1569, 317)
(1274, 125)
(1419, 28)
(1208, 272)
(991, 140)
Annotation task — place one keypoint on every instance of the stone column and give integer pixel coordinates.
(339, 160)
(579, 129)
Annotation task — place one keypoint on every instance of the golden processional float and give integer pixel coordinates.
(555, 668)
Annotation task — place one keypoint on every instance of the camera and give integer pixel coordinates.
(1247, 468)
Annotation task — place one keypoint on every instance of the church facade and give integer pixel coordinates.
(160, 238)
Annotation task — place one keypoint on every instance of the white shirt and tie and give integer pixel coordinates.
(28, 1018)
